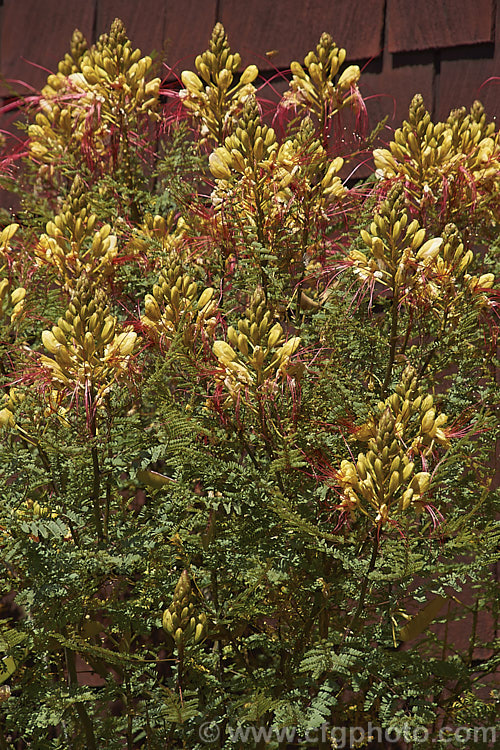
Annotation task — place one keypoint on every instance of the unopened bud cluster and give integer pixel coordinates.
(248, 148)
(181, 620)
(85, 347)
(159, 238)
(258, 350)
(72, 247)
(176, 306)
(296, 174)
(454, 283)
(12, 301)
(213, 96)
(317, 86)
(422, 271)
(109, 79)
(399, 255)
(385, 481)
(450, 162)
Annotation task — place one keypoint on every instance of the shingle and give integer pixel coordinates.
(390, 92)
(461, 81)
(38, 34)
(293, 28)
(432, 24)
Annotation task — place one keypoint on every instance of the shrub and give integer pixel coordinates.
(248, 411)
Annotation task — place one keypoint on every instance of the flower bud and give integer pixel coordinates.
(249, 75)
(349, 77)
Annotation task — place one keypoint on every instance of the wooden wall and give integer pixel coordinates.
(447, 50)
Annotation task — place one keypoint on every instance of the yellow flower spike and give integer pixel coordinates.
(431, 158)
(216, 103)
(110, 72)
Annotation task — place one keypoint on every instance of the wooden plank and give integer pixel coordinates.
(38, 33)
(461, 81)
(14, 148)
(292, 28)
(466, 74)
(390, 92)
(189, 25)
(432, 24)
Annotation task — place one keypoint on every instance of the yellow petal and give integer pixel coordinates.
(249, 75)
(224, 352)
(349, 77)
(218, 166)
(191, 81)
(50, 342)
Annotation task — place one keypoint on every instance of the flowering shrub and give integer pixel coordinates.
(248, 415)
